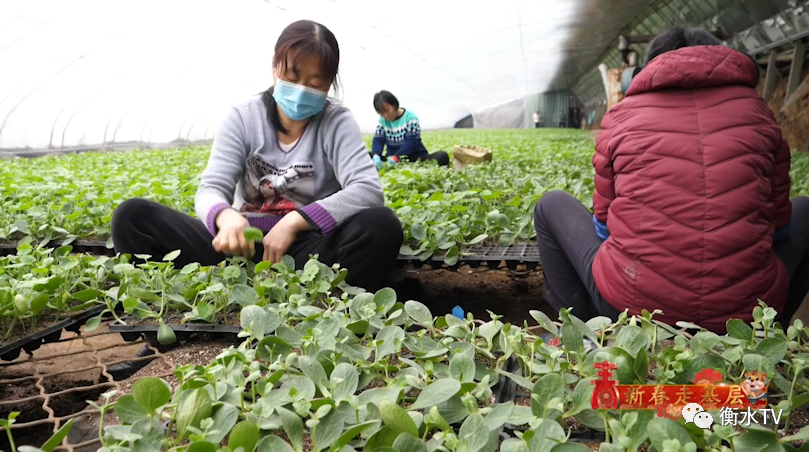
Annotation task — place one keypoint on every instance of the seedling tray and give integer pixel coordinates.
(526, 254)
(492, 256)
(183, 332)
(594, 436)
(79, 246)
(50, 334)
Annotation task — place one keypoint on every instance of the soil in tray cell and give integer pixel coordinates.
(231, 318)
(32, 436)
(522, 400)
(30, 410)
(73, 401)
(799, 418)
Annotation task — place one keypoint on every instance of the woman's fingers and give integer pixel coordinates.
(233, 242)
(221, 242)
(244, 246)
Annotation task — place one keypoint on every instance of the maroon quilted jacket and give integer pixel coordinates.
(692, 181)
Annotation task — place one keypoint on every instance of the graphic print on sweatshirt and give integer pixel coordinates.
(271, 190)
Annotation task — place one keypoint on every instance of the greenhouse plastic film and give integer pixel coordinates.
(169, 71)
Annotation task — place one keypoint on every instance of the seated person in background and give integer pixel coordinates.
(399, 129)
(692, 209)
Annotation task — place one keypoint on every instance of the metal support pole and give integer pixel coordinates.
(115, 133)
(769, 80)
(796, 70)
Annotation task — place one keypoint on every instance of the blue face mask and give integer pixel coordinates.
(298, 102)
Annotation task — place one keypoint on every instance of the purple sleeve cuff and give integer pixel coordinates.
(210, 222)
(321, 218)
(265, 223)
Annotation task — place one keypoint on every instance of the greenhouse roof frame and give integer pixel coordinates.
(751, 26)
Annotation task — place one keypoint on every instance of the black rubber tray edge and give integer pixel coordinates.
(52, 333)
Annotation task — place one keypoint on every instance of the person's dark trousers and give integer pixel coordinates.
(441, 157)
(568, 244)
(794, 253)
(367, 244)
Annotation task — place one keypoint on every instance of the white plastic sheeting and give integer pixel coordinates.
(509, 115)
(90, 72)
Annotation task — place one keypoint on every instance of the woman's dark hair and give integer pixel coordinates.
(677, 38)
(305, 38)
(385, 97)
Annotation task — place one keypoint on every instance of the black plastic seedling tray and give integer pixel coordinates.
(79, 246)
(182, 331)
(508, 430)
(492, 256)
(591, 436)
(50, 334)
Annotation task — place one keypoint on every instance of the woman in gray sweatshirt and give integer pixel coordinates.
(292, 163)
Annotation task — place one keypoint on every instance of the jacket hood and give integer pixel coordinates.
(696, 67)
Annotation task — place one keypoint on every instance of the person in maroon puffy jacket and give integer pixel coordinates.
(692, 209)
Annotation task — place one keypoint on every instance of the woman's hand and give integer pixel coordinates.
(230, 238)
(283, 235)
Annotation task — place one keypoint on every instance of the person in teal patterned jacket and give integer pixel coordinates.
(399, 130)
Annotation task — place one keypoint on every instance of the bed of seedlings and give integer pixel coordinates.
(43, 289)
(327, 366)
(443, 211)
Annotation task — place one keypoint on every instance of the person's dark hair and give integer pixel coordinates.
(385, 97)
(677, 38)
(306, 38)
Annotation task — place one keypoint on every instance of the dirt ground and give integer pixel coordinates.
(794, 120)
(507, 294)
